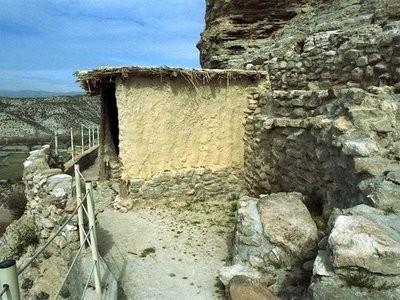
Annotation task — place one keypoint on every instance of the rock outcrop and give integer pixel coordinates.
(238, 27)
(330, 122)
(361, 259)
(275, 235)
(327, 129)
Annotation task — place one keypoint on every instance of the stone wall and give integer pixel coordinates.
(195, 184)
(322, 143)
(49, 196)
(330, 123)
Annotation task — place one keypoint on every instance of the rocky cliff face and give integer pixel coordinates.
(329, 127)
(240, 32)
(237, 27)
(330, 122)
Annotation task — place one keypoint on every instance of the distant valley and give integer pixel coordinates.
(35, 117)
(28, 122)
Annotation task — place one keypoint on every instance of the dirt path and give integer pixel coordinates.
(162, 252)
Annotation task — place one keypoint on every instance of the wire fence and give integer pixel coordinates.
(87, 237)
(89, 137)
(5, 289)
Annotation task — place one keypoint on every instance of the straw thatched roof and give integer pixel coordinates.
(93, 80)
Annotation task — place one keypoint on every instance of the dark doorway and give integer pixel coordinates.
(112, 116)
(109, 136)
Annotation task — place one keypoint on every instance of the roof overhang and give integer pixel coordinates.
(92, 81)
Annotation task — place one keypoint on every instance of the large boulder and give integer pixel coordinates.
(275, 235)
(362, 259)
(287, 223)
(60, 186)
(333, 289)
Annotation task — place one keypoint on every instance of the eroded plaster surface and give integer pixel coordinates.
(171, 124)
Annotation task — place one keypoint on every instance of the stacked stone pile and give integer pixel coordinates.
(49, 195)
(49, 192)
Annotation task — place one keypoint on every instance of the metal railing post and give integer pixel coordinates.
(90, 138)
(72, 144)
(9, 278)
(98, 136)
(93, 237)
(78, 202)
(82, 140)
(93, 140)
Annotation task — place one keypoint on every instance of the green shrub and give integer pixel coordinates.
(20, 234)
(16, 202)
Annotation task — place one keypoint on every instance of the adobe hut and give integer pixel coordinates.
(169, 132)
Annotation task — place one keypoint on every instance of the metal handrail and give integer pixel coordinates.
(80, 175)
(88, 280)
(5, 289)
(23, 268)
(87, 237)
(72, 265)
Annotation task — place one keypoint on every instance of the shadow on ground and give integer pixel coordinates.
(115, 259)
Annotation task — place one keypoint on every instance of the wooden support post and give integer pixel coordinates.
(93, 139)
(90, 138)
(72, 144)
(98, 136)
(82, 140)
(56, 142)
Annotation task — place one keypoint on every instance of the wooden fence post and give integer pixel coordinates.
(56, 142)
(90, 138)
(82, 140)
(72, 144)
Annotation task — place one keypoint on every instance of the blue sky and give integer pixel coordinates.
(42, 42)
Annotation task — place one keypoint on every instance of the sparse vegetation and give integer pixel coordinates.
(22, 234)
(363, 280)
(148, 251)
(40, 117)
(16, 202)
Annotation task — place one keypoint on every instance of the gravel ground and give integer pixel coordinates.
(167, 251)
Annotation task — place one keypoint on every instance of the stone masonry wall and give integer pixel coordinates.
(350, 138)
(329, 127)
(197, 184)
(49, 195)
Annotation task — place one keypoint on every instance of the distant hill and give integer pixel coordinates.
(34, 117)
(30, 93)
